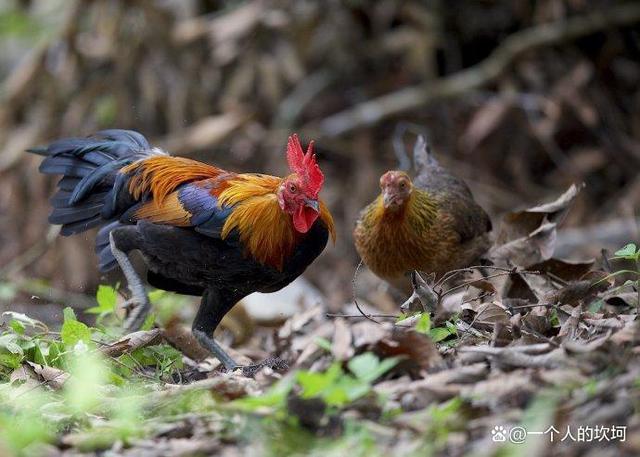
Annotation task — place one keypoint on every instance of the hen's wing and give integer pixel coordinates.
(452, 194)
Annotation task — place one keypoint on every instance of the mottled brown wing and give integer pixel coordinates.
(451, 192)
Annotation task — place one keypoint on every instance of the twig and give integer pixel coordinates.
(227, 381)
(557, 278)
(495, 275)
(355, 294)
(479, 297)
(359, 316)
(451, 273)
(604, 254)
(517, 357)
(410, 98)
(533, 305)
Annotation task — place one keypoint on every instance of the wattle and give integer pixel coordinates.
(304, 218)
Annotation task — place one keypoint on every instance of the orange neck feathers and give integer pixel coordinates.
(266, 231)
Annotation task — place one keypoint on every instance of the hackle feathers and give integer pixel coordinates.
(161, 175)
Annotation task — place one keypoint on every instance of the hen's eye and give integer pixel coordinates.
(403, 185)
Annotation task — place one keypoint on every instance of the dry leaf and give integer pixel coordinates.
(367, 333)
(54, 377)
(296, 322)
(570, 327)
(417, 349)
(528, 237)
(528, 250)
(567, 270)
(180, 337)
(501, 336)
(489, 314)
(132, 341)
(341, 348)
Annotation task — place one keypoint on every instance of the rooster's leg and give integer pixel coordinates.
(139, 301)
(212, 309)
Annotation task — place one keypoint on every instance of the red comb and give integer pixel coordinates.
(304, 165)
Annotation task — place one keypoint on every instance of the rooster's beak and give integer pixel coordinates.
(312, 204)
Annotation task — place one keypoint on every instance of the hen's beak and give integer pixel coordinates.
(388, 199)
(313, 204)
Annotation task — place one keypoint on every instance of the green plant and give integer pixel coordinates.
(107, 299)
(630, 252)
(339, 388)
(437, 334)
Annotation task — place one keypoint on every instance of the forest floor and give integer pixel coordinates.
(531, 356)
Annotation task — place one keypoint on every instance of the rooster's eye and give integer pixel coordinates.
(292, 188)
(403, 185)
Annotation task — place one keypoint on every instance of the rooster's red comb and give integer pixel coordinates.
(304, 165)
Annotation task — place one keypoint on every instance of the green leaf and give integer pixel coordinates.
(9, 341)
(628, 252)
(313, 384)
(440, 333)
(323, 343)
(336, 396)
(367, 367)
(424, 324)
(444, 411)
(596, 306)
(156, 295)
(25, 320)
(167, 305)
(345, 390)
(74, 331)
(149, 321)
(107, 298)
(17, 326)
(9, 360)
(274, 397)
(89, 372)
(69, 314)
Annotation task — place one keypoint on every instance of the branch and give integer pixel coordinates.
(410, 98)
(354, 284)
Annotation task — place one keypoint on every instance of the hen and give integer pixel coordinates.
(430, 224)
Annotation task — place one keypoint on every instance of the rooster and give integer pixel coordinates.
(202, 230)
(430, 224)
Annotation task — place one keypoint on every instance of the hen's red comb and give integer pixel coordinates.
(304, 165)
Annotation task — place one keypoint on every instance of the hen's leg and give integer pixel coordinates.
(123, 240)
(212, 309)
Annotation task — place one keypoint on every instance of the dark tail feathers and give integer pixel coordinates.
(422, 156)
(90, 184)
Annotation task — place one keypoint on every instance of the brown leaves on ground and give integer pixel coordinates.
(528, 236)
(527, 325)
(131, 342)
(504, 335)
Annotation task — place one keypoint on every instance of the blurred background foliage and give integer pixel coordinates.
(520, 98)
